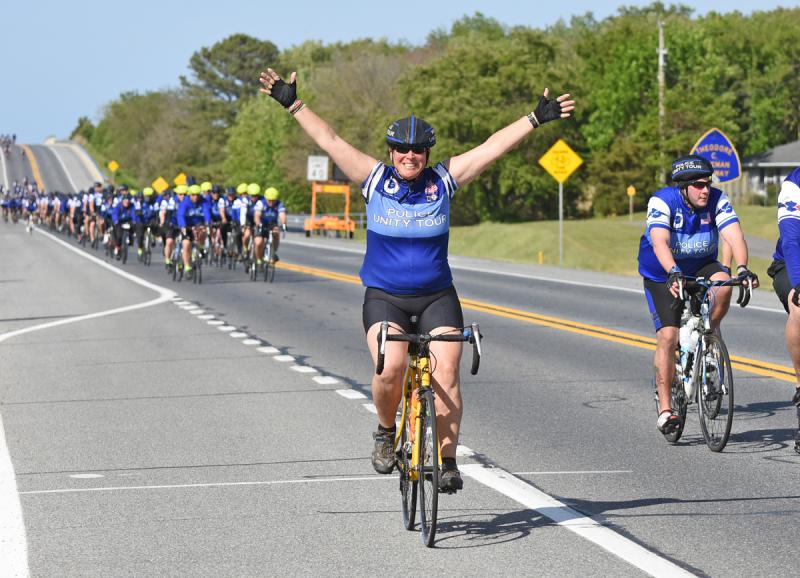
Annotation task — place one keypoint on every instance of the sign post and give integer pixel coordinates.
(631, 194)
(560, 161)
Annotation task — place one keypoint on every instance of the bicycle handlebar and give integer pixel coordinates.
(471, 334)
(689, 284)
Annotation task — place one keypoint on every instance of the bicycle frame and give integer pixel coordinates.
(417, 379)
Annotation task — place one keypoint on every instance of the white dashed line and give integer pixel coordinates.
(238, 334)
(303, 369)
(326, 380)
(370, 407)
(252, 342)
(197, 312)
(269, 350)
(206, 317)
(226, 328)
(86, 476)
(351, 394)
(216, 322)
(283, 358)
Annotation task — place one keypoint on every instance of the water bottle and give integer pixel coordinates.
(685, 335)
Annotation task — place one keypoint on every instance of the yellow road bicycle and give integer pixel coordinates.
(417, 447)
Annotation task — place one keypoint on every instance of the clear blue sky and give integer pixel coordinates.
(62, 60)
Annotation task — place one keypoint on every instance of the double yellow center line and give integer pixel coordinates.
(780, 372)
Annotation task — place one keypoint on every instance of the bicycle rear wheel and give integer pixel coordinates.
(715, 393)
(408, 487)
(428, 486)
(678, 402)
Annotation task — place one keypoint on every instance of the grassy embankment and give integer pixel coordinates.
(602, 244)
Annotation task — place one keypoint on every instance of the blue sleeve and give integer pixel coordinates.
(207, 211)
(790, 243)
(181, 214)
(115, 214)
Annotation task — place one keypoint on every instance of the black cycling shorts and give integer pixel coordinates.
(265, 228)
(660, 300)
(440, 309)
(780, 282)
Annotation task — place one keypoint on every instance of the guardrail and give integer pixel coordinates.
(294, 221)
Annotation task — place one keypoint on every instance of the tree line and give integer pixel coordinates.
(740, 73)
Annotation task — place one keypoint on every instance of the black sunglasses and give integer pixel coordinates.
(701, 184)
(403, 149)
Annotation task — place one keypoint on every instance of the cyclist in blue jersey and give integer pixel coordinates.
(405, 269)
(684, 223)
(167, 219)
(194, 216)
(268, 213)
(123, 213)
(785, 272)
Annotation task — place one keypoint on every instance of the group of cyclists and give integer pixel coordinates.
(406, 272)
(233, 222)
(6, 142)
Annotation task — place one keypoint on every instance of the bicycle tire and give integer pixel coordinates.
(715, 393)
(269, 273)
(428, 486)
(408, 487)
(124, 249)
(678, 402)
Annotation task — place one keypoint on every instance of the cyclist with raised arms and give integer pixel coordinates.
(785, 272)
(684, 223)
(405, 269)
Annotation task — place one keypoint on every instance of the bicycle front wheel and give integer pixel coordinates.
(714, 379)
(428, 468)
(408, 487)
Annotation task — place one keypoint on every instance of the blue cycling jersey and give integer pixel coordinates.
(408, 226)
(694, 234)
(788, 246)
(190, 214)
(269, 214)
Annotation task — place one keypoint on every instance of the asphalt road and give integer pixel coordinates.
(222, 458)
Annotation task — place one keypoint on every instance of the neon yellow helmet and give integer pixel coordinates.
(148, 191)
(253, 189)
(181, 190)
(134, 192)
(194, 190)
(205, 186)
(272, 194)
(241, 189)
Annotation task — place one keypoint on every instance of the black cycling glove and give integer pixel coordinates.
(545, 111)
(743, 272)
(286, 94)
(675, 276)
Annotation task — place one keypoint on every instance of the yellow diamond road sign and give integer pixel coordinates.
(560, 161)
(180, 179)
(113, 166)
(631, 191)
(160, 185)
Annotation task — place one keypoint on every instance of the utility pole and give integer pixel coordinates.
(662, 62)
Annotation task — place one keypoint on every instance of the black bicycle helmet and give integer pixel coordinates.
(690, 168)
(411, 131)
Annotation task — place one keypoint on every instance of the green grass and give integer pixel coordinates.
(759, 221)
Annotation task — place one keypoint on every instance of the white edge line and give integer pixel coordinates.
(588, 528)
(13, 540)
(209, 485)
(83, 157)
(12, 529)
(164, 294)
(370, 407)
